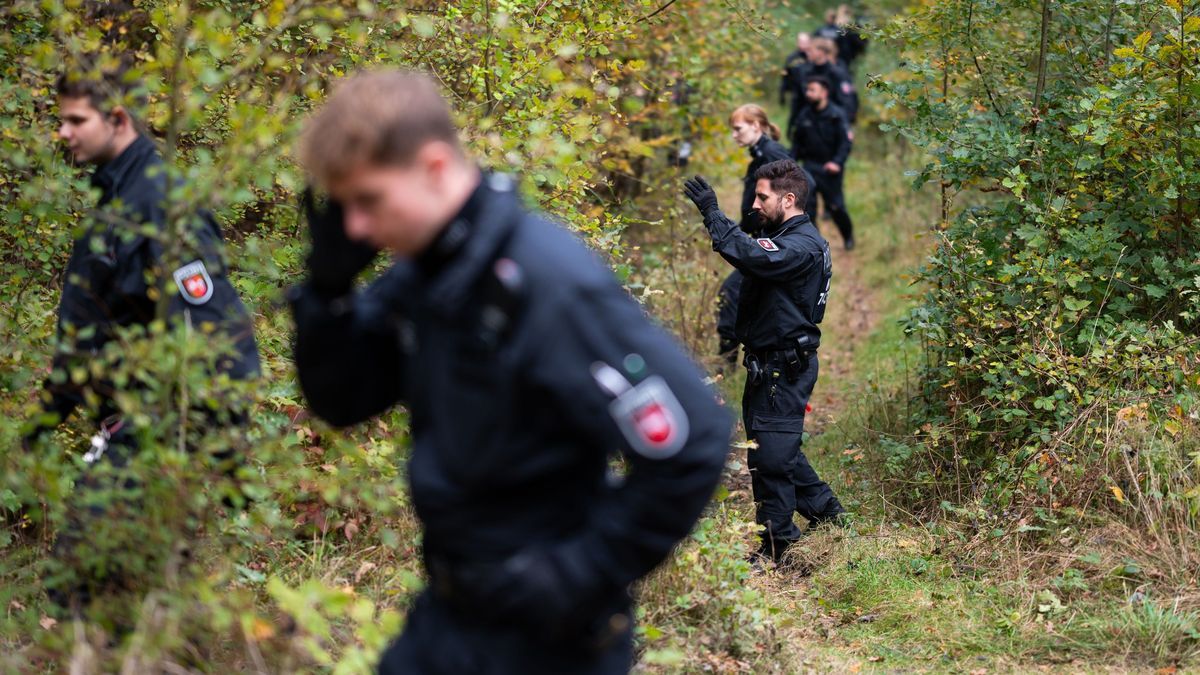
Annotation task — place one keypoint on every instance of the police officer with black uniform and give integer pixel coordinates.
(526, 369)
(787, 270)
(823, 65)
(821, 142)
(753, 130)
(116, 276)
(727, 301)
(791, 85)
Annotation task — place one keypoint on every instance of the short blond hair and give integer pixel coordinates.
(378, 117)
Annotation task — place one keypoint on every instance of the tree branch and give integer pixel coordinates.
(656, 12)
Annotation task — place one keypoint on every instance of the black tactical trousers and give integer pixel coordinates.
(96, 548)
(91, 557)
(829, 186)
(438, 638)
(782, 479)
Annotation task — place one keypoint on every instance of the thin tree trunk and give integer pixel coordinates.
(1041, 67)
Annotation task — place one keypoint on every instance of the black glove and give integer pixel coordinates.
(702, 195)
(531, 589)
(333, 261)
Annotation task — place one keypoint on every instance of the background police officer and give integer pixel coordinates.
(787, 270)
(525, 367)
(115, 278)
(821, 141)
(823, 64)
(791, 85)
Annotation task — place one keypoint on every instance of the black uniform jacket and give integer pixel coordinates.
(113, 270)
(786, 272)
(792, 79)
(512, 345)
(727, 302)
(821, 136)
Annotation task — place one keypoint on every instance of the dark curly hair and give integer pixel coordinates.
(786, 176)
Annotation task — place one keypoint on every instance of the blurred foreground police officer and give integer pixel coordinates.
(526, 368)
(787, 270)
(821, 142)
(116, 275)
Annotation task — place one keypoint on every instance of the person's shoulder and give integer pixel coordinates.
(805, 237)
(834, 110)
(144, 192)
(775, 151)
(551, 257)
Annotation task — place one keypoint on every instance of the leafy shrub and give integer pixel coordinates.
(1063, 286)
(310, 573)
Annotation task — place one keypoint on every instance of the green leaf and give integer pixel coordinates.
(1075, 304)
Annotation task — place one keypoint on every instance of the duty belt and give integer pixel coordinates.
(795, 360)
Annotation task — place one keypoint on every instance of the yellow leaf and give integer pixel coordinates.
(262, 630)
(1118, 493)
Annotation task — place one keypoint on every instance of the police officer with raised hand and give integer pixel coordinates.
(787, 271)
(117, 276)
(821, 142)
(753, 130)
(525, 367)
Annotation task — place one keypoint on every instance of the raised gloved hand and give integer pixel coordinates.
(333, 260)
(702, 195)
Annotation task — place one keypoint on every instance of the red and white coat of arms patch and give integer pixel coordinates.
(194, 283)
(651, 419)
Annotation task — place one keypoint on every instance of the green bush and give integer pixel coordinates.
(1062, 290)
(314, 571)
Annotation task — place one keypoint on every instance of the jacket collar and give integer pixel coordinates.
(793, 223)
(114, 173)
(469, 243)
(757, 150)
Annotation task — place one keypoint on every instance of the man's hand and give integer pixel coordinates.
(702, 195)
(529, 589)
(333, 261)
(832, 167)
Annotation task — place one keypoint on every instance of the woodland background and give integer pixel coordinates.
(1008, 394)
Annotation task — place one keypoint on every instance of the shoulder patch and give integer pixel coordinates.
(767, 244)
(194, 284)
(651, 419)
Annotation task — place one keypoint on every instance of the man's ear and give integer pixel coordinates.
(119, 117)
